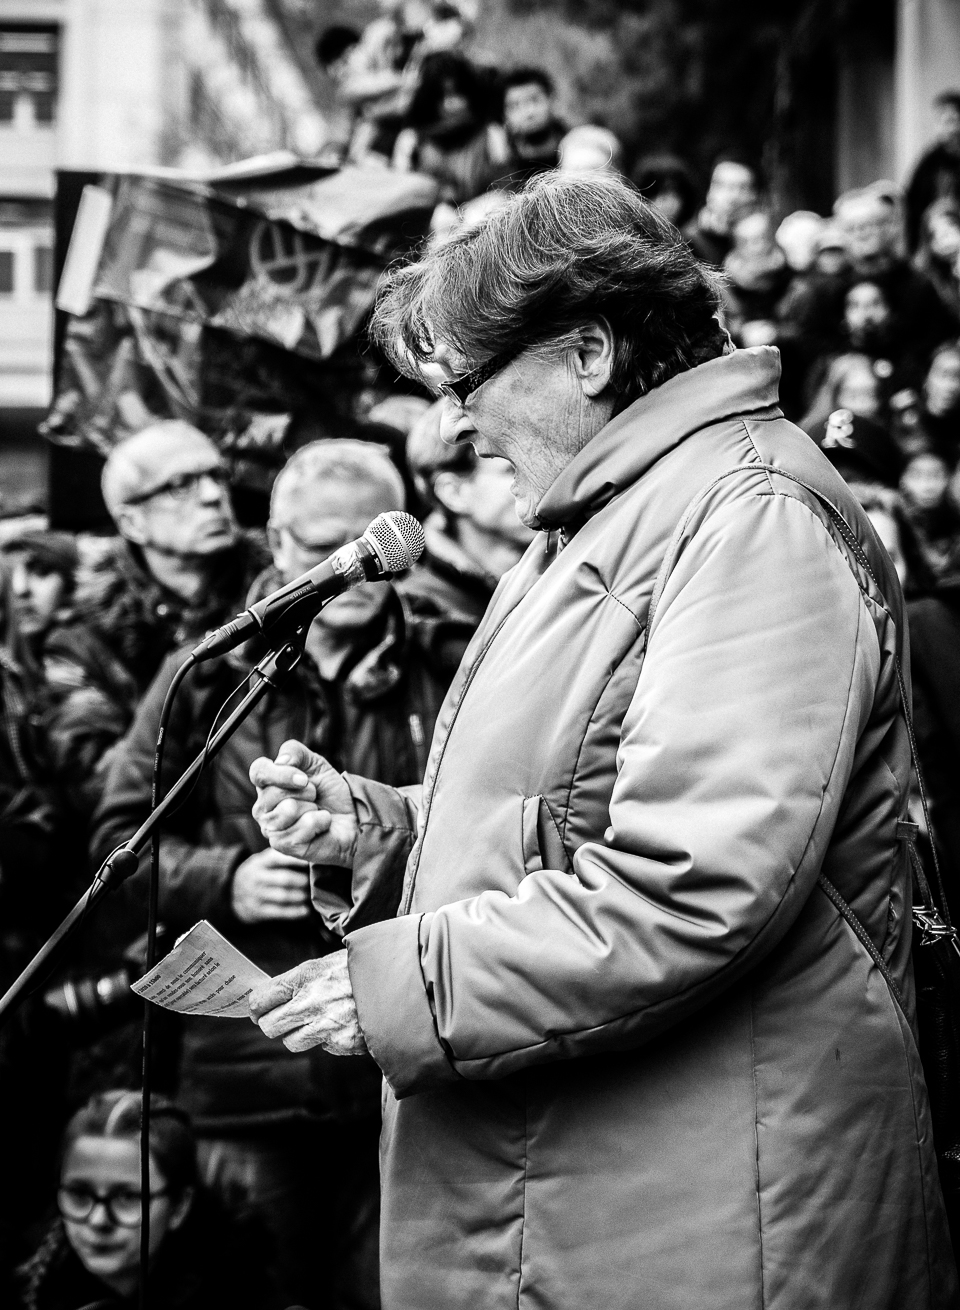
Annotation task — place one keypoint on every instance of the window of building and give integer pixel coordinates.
(6, 272)
(42, 269)
(28, 70)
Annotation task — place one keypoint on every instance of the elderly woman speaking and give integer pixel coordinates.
(636, 1055)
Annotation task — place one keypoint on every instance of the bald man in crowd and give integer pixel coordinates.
(179, 567)
(291, 1138)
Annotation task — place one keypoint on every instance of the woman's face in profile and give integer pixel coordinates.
(107, 1169)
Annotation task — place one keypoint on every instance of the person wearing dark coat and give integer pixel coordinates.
(868, 228)
(936, 174)
(935, 669)
(667, 183)
(273, 1124)
(179, 567)
(533, 129)
(734, 190)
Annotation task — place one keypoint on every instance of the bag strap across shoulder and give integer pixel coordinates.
(930, 917)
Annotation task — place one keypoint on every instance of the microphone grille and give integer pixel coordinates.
(398, 540)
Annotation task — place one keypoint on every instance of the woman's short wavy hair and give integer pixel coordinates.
(567, 250)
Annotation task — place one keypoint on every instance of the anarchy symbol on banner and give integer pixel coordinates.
(282, 256)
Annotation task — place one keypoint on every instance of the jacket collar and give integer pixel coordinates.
(744, 382)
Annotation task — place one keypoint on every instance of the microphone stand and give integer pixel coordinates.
(125, 860)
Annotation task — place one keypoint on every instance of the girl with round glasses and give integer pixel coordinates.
(90, 1255)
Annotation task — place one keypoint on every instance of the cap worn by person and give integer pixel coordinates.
(54, 552)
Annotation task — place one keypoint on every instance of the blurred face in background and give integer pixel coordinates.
(830, 260)
(733, 189)
(941, 390)
(483, 497)
(798, 237)
(944, 233)
(317, 518)
(109, 1167)
(925, 480)
(888, 530)
(527, 109)
(454, 106)
(38, 594)
(905, 418)
(859, 390)
(753, 237)
(868, 226)
(865, 308)
(669, 202)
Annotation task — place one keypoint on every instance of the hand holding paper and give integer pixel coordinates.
(311, 1005)
(203, 974)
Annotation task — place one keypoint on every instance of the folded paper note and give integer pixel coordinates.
(203, 974)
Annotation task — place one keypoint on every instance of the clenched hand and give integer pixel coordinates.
(304, 807)
(311, 1005)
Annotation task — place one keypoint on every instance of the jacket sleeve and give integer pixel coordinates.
(388, 830)
(760, 673)
(195, 879)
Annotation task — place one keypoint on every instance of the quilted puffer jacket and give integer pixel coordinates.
(634, 1054)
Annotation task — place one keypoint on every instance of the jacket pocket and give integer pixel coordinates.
(542, 845)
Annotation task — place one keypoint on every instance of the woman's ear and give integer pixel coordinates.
(181, 1208)
(594, 358)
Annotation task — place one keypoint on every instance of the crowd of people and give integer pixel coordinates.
(272, 1155)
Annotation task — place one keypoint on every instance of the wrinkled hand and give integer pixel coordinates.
(268, 886)
(311, 1005)
(304, 807)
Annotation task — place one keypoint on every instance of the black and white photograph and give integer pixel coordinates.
(479, 654)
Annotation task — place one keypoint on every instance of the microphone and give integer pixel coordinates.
(390, 545)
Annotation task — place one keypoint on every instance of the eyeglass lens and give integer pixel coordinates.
(186, 484)
(122, 1207)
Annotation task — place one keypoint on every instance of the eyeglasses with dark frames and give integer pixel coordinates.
(77, 1202)
(462, 388)
(182, 487)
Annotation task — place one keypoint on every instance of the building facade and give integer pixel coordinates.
(119, 85)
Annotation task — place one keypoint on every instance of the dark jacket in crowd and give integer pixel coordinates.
(814, 309)
(446, 580)
(936, 176)
(537, 153)
(99, 665)
(377, 718)
(935, 666)
(709, 245)
(205, 1263)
